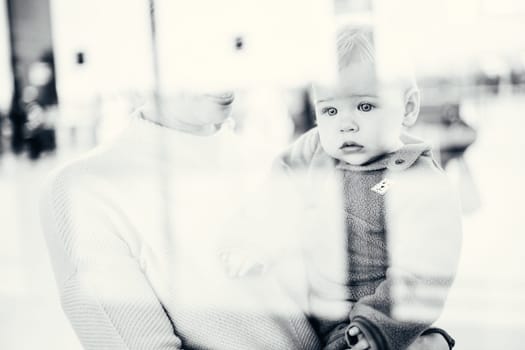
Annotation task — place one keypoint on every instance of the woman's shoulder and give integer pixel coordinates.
(79, 175)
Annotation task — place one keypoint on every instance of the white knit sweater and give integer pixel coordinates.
(133, 230)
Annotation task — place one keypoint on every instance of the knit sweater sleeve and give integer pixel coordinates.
(103, 290)
(424, 244)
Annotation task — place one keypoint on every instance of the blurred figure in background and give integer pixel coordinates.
(42, 76)
(442, 125)
(41, 100)
(17, 114)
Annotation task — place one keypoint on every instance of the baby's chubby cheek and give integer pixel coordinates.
(330, 145)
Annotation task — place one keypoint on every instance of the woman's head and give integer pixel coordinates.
(199, 107)
(199, 112)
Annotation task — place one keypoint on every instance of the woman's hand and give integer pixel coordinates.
(238, 264)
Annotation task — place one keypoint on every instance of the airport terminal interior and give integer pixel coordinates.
(73, 73)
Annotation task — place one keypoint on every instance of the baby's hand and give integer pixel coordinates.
(241, 264)
(357, 339)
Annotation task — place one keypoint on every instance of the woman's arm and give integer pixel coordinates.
(103, 290)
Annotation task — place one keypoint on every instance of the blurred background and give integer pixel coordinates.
(72, 71)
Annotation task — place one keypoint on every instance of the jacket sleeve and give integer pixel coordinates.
(303, 154)
(103, 291)
(424, 242)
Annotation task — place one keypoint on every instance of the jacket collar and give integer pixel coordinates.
(402, 159)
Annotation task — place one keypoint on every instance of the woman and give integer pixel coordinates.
(133, 230)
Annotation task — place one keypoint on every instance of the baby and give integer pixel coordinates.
(360, 138)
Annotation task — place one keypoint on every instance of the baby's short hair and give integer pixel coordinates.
(355, 44)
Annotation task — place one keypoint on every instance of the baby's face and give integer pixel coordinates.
(358, 121)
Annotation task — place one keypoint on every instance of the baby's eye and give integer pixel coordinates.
(365, 107)
(331, 111)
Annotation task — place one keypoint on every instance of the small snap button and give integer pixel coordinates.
(399, 161)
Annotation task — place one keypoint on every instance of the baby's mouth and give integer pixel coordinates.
(351, 147)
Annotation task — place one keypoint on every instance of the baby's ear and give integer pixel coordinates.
(412, 103)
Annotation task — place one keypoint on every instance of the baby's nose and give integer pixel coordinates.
(349, 129)
(349, 126)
